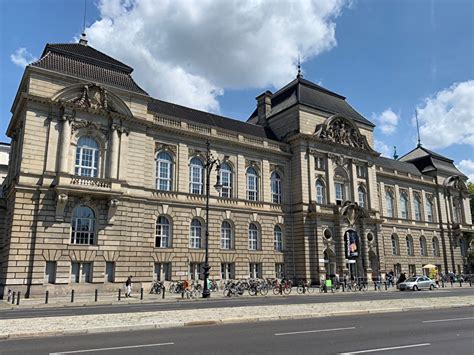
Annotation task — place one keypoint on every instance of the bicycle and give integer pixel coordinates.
(157, 287)
(283, 287)
(304, 287)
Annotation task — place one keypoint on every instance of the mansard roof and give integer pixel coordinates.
(393, 164)
(85, 62)
(202, 117)
(307, 93)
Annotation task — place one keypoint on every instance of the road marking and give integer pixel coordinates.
(446, 320)
(315, 331)
(108, 349)
(385, 349)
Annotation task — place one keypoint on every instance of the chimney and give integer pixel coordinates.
(264, 106)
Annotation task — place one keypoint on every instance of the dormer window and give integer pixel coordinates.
(320, 163)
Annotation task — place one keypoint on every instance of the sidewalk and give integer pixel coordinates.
(101, 323)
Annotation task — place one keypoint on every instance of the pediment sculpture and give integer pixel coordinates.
(94, 97)
(340, 130)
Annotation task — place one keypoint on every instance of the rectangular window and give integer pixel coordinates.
(252, 188)
(75, 272)
(320, 163)
(162, 272)
(361, 171)
(226, 182)
(196, 271)
(339, 189)
(255, 270)
(50, 272)
(110, 271)
(86, 272)
(279, 270)
(81, 272)
(227, 271)
(411, 270)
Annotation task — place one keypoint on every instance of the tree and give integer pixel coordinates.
(470, 188)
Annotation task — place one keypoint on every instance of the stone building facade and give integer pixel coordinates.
(105, 181)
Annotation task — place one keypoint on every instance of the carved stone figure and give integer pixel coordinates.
(94, 97)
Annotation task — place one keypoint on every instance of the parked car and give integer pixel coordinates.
(416, 283)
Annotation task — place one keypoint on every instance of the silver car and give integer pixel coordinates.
(416, 283)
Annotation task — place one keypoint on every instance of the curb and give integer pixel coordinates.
(226, 321)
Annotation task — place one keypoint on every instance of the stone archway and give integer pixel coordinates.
(329, 261)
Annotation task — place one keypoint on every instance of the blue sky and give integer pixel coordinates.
(386, 57)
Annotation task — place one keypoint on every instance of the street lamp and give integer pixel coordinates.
(210, 162)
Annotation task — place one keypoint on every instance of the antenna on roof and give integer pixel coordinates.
(83, 39)
(417, 127)
(299, 75)
(395, 155)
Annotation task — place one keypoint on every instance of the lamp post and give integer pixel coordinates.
(210, 162)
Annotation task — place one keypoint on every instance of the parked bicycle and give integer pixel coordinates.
(157, 287)
(282, 287)
(304, 287)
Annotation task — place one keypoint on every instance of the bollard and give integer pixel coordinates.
(18, 298)
(13, 297)
(46, 297)
(163, 294)
(72, 296)
(385, 285)
(470, 283)
(451, 283)
(182, 294)
(119, 294)
(141, 294)
(96, 294)
(375, 286)
(304, 288)
(442, 283)
(460, 283)
(281, 289)
(343, 287)
(9, 295)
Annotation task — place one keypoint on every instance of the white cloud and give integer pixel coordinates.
(384, 149)
(467, 168)
(447, 118)
(190, 52)
(387, 121)
(22, 57)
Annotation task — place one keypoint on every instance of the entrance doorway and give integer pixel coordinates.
(329, 262)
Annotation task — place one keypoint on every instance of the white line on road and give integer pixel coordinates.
(315, 331)
(446, 320)
(385, 349)
(108, 349)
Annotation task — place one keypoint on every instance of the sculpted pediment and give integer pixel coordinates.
(341, 130)
(92, 97)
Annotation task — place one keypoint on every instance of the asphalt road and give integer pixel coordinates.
(447, 331)
(230, 302)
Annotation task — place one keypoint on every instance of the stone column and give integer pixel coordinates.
(114, 152)
(67, 118)
(372, 202)
(396, 205)
(355, 187)
(411, 204)
(331, 194)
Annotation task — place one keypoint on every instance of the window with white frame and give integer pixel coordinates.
(195, 234)
(163, 232)
(276, 187)
(410, 249)
(362, 196)
(404, 205)
(361, 171)
(389, 202)
(255, 270)
(87, 157)
(196, 176)
(278, 237)
(279, 270)
(226, 180)
(252, 184)
(320, 192)
(435, 247)
(320, 163)
(83, 225)
(226, 235)
(339, 189)
(164, 171)
(196, 271)
(253, 237)
(50, 272)
(227, 271)
(162, 272)
(110, 271)
(429, 209)
(81, 272)
(417, 207)
(423, 249)
(395, 248)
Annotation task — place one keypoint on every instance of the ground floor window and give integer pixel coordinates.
(109, 271)
(411, 270)
(255, 270)
(50, 272)
(397, 268)
(81, 272)
(279, 270)
(196, 271)
(162, 272)
(227, 271)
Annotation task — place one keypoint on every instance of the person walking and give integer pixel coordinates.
(128, 285)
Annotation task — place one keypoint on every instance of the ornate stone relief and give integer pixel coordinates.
(455, 183)
(94, 97)
(340, 130)
(61, 202)
(390, 190)
(166, 147)
(196, 152)
(113, 204)
(120, 129)
(252, 163)
(338, 159)
(274, 167)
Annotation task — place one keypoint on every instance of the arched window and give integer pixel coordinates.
(435, 246)
(253, 237)
(423, 249)
(83, 225)
(417, 204)
(196, 176)
(395, 249)
(320, 192)
(410, 249)
(164, 171)
(226, 180)
(87, 157)
(252, 184)
(226, 235)
(278, 235)
(404, 205)
(362, 196)
(276, 187)
(389, 203)
(457, 213)
(429, 210)
(195, 235)
(163, 233)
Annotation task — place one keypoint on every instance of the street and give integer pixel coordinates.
(230, 302)
(446, 331)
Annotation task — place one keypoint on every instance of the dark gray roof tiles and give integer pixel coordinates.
(398, 165)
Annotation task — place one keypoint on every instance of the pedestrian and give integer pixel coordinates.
(128, 285)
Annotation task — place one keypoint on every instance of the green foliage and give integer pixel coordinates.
(470, 188)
